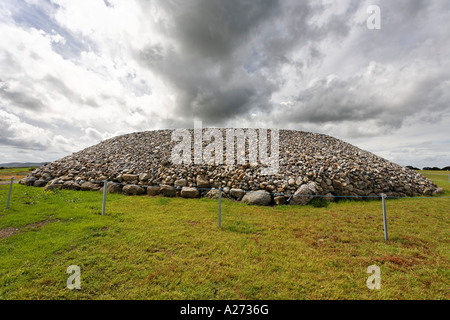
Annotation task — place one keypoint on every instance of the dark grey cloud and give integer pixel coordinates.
(21, 144)
(230, 53)
(214, 29)
(358, 99)
(405, 27)
(410, 79)
(56, 85)
(27, 100)
(21, 98)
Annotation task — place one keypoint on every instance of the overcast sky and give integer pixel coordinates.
(73, 73)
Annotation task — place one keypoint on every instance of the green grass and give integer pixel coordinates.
(441, 178)
(171, 248)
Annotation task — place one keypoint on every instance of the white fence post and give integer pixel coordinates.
(220, 207)
(104, 196)
(383, 198)
(9, 194)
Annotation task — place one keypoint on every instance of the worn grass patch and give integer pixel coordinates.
(171, 248)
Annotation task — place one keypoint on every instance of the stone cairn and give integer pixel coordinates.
(310, 165)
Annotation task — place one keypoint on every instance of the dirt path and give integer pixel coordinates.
(8, 182)
(9, 231)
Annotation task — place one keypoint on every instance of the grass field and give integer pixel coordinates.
(17, 173)
(170, 248)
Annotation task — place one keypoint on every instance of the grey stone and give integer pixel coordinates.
(237, 193)
(40, 183)
(130, 177)
(260, 197)
(338, 185)
(213, 194)
(113, 187)
(70, 185)
(303, 195)
(153, 190)
(47, 176)
(144, 177)
(52, 186)
(168, 191)
(187, 192)
(202, 181)
(89, 186)
(180, 183)
(28, 181)
(279, 200)
(133, 189)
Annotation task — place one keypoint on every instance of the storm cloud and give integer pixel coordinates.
(229, 55)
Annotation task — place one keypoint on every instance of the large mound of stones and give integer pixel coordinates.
(309, 165)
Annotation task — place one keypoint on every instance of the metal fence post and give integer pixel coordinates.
(9, 194)
(220, 207)
(104, 196)
(383, 198)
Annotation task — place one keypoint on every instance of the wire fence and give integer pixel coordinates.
(178, 188)
(220, 191)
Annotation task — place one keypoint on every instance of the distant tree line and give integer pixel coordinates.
(447, 168)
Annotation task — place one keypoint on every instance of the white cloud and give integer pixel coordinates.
(16, 133)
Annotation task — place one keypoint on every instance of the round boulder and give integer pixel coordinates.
(28, 181)
(187, 192)
(237, 193)
(153, 190)
(70, 185)
(40, 183)
(202, 181)
(113, 187)
(303, 195)
(133, 189)
(260, 197)
(168, 191)
(212, 194)
(89, 186)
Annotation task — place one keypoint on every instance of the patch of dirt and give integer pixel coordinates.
(8, 182)
(9, 231)
(402, 262)
(412, 242)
